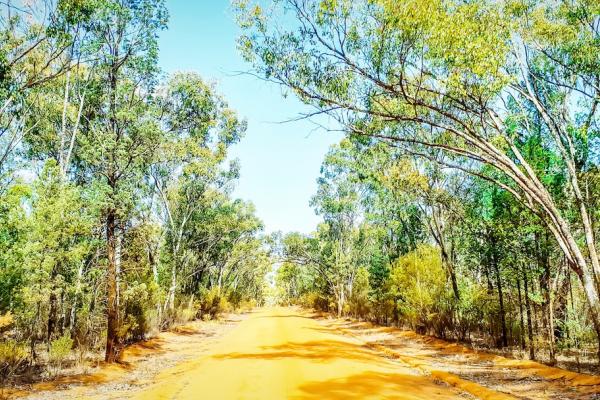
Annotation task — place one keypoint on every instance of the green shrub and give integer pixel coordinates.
(247, 305)
(358, 302)
(59, 350)
(139, 312)
(475, 307)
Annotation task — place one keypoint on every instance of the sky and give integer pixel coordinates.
(280, 162)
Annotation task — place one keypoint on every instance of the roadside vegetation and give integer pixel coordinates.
(463, 200)
(116, 213)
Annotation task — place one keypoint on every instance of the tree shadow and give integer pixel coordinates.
(284, 316)
(318, 351)
(151, 346)
(376, 385)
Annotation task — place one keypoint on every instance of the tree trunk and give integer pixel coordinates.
(547, 305)
(529, 322)
(112, 307)
(77, 294)
(340, 302)
(112, 310)
(438, 232)
(589, 287)
(118, 248)
(522, 333)
(496, 269)
(501, 303)
(51, 316)
(171, 296)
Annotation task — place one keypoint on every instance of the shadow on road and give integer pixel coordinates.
(320, 351)
(360, 386)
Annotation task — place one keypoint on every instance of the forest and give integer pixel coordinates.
(463, 201)
(117, 218)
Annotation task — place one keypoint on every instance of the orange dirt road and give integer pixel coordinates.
(281, 353)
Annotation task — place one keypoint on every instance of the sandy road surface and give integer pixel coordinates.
(281, 353)
(286, 353)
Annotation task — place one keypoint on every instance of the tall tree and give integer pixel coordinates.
(120, 143)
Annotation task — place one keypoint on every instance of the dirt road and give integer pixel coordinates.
(283, 354)
(287, 353)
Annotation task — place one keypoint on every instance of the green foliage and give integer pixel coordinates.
(125, 216)
(13, 237)
(358, 302)
(139, 319)
(419, 280)
(60, 349)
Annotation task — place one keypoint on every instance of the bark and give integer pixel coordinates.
(501, 303)
(112, 307)
(340, 300)
(51, 316)
(153, 264)
(589, 287)
(548, 317)
(77, 299)
(529, 322)
(170, 302)
(118, 248)
(522, 323)
(112, 311)
(438, 233)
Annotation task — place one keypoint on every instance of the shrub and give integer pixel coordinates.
(6, 321)
(314, 300)
(473, 309)
(358, 302)
(140, 315)
(213, 303)
(59, 350)
(247, 305)
(12, 356)
(418, 279)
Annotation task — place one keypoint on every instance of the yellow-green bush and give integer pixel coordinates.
(315, 300)
(418, 281)
(12, 356)
(213, 303)
(139, 315)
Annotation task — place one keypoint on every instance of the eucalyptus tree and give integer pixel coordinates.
(443, 75)
(123, 135)
(218, 233)
(413, 195)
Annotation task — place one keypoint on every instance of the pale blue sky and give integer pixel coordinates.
(279, 162)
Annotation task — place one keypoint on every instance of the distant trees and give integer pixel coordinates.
(503, 91)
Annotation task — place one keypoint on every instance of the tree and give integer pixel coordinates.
(123, 137)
